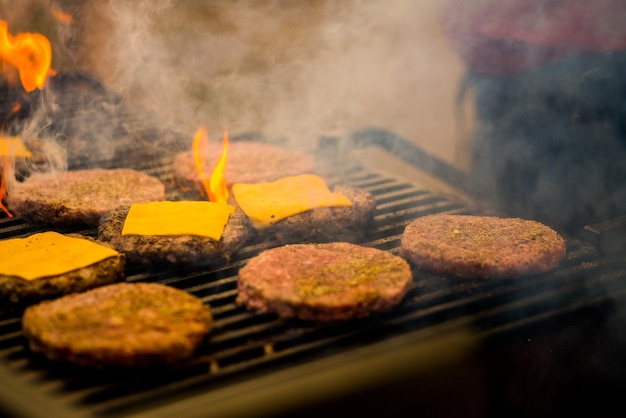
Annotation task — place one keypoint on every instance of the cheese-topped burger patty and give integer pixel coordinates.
(340, 223)
(323, 282)
(81, 196)
(37, 272)
(301, 209)
(124, 324)
(152, 250)
(248, 162)
(481, 246)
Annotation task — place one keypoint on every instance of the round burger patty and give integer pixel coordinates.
(81, 196)
(481, 246)
(18, 290)
(124, 324)
(248, 162)
(323, 282)
(342, 223)
(154, 249)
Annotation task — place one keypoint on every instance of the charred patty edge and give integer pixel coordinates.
(18, 290)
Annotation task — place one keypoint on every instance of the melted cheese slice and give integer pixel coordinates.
(268, 203)
(204, 219)
(12, 146)
(49, 254)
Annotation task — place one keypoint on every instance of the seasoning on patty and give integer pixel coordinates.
(121, 325)
(81, 196)
(323, 282)
(481, 246)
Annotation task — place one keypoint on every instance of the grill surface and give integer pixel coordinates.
(244, 345)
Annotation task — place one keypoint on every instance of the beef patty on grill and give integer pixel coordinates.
(107, 271)
(323, 282)
(481, 246)
(341, 223)
(124, 324)
(248, 162)
(81, 196)
(152, 250)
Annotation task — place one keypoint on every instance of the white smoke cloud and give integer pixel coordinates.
(292, 70)
(287, 70)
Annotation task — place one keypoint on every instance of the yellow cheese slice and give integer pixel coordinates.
(204, 219)
(268, 203)
(49, 254)
(12, 146)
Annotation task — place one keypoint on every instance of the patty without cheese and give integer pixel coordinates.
(323, 282)
(481, 246)
(121, 325)
(248, 162)
(81, 196)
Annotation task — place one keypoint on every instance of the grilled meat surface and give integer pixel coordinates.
(18, 290)
(120, 325)
(481, 246)
(248, 162)
(342, 223)
(81, 196)
(323, 282)
(153, 250)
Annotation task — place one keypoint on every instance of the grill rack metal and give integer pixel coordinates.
(246, 345)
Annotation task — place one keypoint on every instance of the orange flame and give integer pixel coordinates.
(219, 190)
(30, 53)
(200, 141)
(215, 186)
(5, 165)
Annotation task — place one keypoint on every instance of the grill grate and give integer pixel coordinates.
(244, 344)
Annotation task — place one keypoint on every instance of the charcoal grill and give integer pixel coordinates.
(258, 365)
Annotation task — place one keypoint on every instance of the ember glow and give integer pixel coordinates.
(214, 186)
(218, 189)
(29, 53)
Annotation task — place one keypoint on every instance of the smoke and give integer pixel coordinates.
(290, 70)
(296, 70)
(284, 69)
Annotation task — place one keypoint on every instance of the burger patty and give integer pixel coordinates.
(481, 246)
(248, 162)
(323, 282)
(81, 196)
(154, 249)
(341, 223)
(18, 290)
(124, 324)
